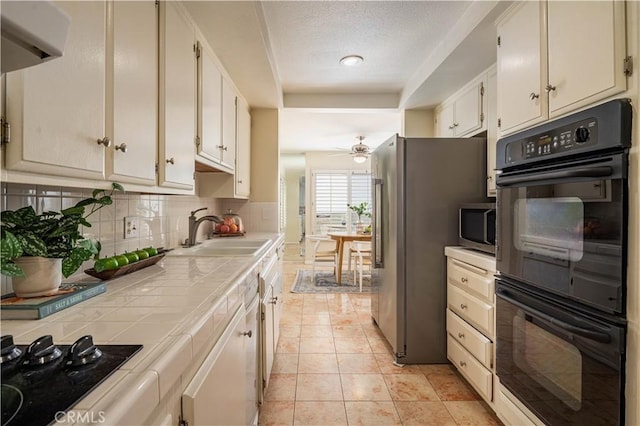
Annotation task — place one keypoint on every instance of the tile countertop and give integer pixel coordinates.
(477, 258)
(176, 309)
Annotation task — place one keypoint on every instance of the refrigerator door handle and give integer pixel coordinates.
(376, 229)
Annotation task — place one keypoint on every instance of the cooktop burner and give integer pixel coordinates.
(41, 381)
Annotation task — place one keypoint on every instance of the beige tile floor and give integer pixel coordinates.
(333, 367)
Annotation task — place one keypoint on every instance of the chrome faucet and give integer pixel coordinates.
(194, 224)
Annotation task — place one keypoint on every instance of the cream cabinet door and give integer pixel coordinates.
(586, 53)
(522, 65)
(444, 121)
(468, 111)
(177, 98)
(132, 120)
(228, 125)
(243, 154)
(492, 131)
(57, 109)
(209, 107)
(267, 336)
(217, 394)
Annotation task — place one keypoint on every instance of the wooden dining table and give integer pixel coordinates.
(341, 238)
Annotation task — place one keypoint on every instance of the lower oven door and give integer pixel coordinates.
(565, 367)
(562, 228)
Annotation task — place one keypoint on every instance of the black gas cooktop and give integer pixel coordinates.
(41, 381)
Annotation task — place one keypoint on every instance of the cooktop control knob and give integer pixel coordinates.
(582, 134)
(83, 352)
(8, 350)
(42, 351)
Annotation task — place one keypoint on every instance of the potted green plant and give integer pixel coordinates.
(361, 209)
(36, 249)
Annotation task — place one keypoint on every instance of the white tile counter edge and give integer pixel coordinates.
(482, 260)
(147, 377)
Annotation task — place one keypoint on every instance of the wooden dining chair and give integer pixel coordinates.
(321, 253)
(362, 260)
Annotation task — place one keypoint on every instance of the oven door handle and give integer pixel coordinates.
(580, 331)
(582, 172)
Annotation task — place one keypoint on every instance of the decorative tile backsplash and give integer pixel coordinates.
(163, 219)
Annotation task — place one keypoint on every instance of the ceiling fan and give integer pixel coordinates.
(360, 152)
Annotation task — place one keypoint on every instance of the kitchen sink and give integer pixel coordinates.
(220, 247)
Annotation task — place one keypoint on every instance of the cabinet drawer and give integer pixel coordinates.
(509, 413)
(473, 310)
(473, 279)
(472, 340)
(470, 368)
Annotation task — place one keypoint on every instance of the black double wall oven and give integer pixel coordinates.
(562, 256)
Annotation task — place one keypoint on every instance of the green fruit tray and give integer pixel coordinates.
(124, 270)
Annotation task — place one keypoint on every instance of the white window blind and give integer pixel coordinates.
(332, 192)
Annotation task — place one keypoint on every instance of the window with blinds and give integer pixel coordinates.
(332, 192)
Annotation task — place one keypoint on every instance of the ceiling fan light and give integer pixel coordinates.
(351, 60)
(360, 158)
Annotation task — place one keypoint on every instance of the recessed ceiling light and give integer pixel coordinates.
(351, 60)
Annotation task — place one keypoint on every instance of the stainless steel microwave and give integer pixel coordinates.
(477, 226)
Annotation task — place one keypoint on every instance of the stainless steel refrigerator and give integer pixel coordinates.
(418, 186)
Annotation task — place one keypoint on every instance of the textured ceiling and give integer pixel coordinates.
(309, 38)
(284, 54)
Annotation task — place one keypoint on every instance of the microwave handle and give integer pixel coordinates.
(580, 331)
(485, 237)
(583, 172)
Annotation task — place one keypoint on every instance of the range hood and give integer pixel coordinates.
(32, 32)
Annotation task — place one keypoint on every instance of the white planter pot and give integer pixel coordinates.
(43, 276)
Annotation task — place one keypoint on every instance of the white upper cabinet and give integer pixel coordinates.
(555, 57)
(462, 114)
(57, 109)
(228, 145)
(132, 67)
(522, 67)
(216, 140)
(177, 107)
(243, 154)
(588, 65)
(445, 121)
(492, 130)
(209, 107)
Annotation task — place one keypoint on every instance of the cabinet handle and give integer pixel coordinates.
(456, 124)
(122, 147)
(248, 334)
(463, 306)
(451, 127)
(489, 177)
(463, 279)
(533, 96)
(274, 300)
(463, 364)
(104, 141)
(170, 161)
(222, 147)
(461, 335)
(240, 181)
(550, 88)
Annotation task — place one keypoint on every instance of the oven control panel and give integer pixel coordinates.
(571, 137)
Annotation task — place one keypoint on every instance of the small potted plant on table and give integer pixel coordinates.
(361, 209)
(37, 249)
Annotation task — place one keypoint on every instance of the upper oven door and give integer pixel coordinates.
(561, 228)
